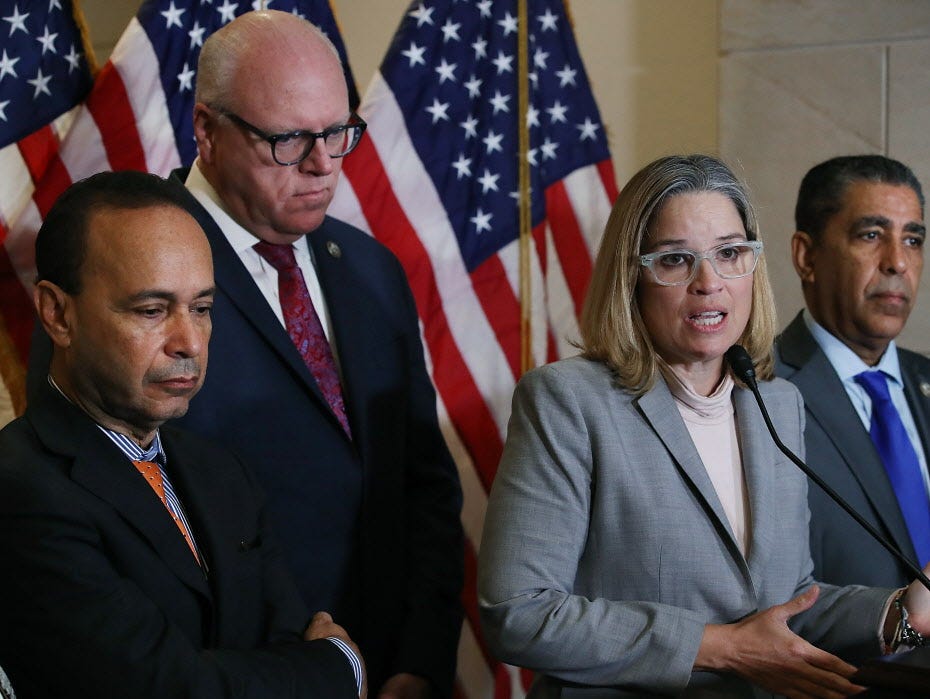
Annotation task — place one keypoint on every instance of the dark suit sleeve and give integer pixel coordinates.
(76, 624)
(433, 529)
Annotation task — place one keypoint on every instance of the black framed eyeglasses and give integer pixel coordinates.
(730, 261)
(293, 147)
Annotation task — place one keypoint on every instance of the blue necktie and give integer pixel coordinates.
(901, 462)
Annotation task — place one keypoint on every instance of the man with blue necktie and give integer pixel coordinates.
(858, 249)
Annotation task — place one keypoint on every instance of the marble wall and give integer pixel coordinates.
(805, 80)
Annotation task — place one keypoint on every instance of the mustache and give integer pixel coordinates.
(891, 285)
(189, 366)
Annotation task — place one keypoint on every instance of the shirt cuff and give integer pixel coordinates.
(353, 659)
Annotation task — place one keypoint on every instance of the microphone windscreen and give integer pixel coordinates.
(741, 363)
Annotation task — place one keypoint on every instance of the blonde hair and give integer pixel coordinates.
(612, 328)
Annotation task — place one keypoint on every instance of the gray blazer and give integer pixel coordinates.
(840, 450)
(606, 549)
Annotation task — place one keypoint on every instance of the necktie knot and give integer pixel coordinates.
(281, 257)
(875, 384)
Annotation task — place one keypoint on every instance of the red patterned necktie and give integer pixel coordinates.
(153, 477)
(304, 327)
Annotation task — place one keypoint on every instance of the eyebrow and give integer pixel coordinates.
(152, 294)
(681, 242)
(885, 222)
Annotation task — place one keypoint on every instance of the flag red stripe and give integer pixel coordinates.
(606, 170)
(15, 305)
(112, 111)
(463, 400)
(38, 149)
(569, 243)
(501, 307)
(55, 180)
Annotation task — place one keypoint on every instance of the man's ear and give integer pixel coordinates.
(803, 252)
(204, 125)
(54, 308)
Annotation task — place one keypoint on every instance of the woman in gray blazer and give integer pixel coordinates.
(643, 534)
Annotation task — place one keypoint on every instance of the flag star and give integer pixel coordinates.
(531, 156)
(508, 24)
(54, 4)
(473, 86)
(539, 58)
(532, 116)
(557, 112)
(588, 129)
(548, 149)
(297, 13)
(227, 11)
(481, 48)
(446, 71)
(438, 110)
(488, 181)
(6, 65)
(3, 109)
(423, 15)
(493, 142)
(40, 83)
(74, 59)
(516, 196)
(481, 220)
(415, 54)
(260, 5)
(534, 78)
(485, 7)
(503, 63)
(499, 102)
(172, 15)
(196, 34)
(17, 21)
(566, 76)
(450, 31)
(462, 167)
(185, 78)
(469, 125)
(548, 20)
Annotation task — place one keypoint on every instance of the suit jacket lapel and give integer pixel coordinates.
(99, 467)
(827, 403)
(658, 407)
(352, 324)
(916, 382)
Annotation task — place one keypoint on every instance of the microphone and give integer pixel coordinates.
(741, 363)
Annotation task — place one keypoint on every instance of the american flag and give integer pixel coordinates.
(435, 179)
(137, 116)
(44, 73)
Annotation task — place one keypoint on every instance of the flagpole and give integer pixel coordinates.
(523, 170)
(78, 14)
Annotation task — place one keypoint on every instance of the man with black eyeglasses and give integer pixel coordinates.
(858, 249)
(317, 373)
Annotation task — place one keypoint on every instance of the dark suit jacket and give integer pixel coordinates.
(370, 526)
(101, 596)
(840, 450)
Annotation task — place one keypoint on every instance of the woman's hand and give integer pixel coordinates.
(763, 650)
(917, 602)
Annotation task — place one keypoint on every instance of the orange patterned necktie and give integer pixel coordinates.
(152, 474)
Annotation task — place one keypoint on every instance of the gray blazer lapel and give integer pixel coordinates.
(757, 451)
(659, 409)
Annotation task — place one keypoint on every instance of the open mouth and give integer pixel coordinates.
(707, 319)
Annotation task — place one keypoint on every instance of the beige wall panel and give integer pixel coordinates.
(754, 24)
(106, 20)
(781, 113)
(909, 142)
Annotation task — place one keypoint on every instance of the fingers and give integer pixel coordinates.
(323, 626)
(799, 604)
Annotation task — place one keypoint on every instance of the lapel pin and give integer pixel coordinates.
(925, 388)
(335, 251)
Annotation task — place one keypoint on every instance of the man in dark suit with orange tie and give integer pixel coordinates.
(139, 561)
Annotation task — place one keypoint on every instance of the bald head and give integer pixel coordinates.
(252, 40)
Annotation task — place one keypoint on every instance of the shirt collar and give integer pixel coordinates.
(130, 449)
(847, 363)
